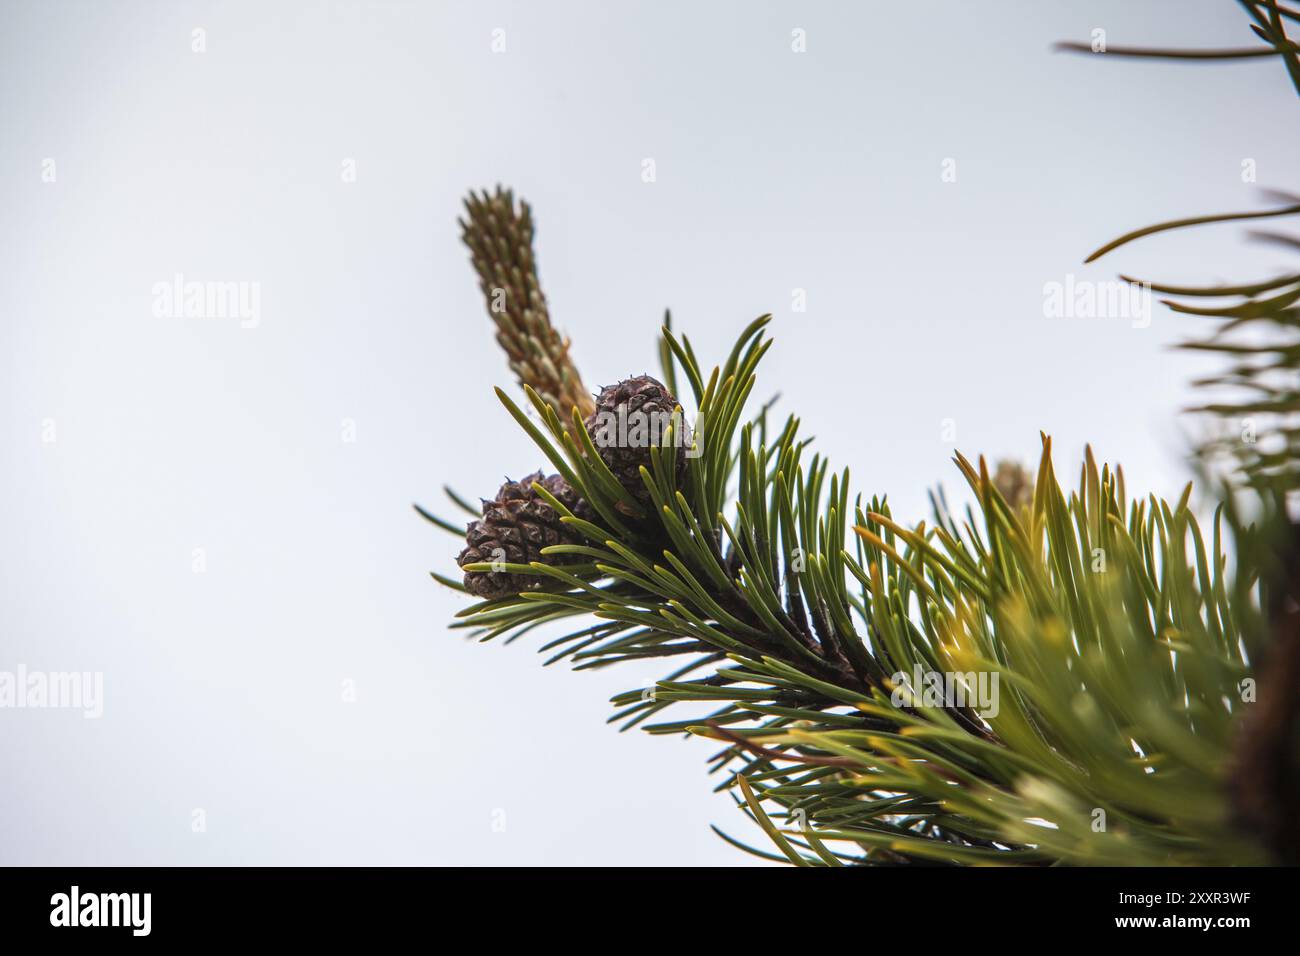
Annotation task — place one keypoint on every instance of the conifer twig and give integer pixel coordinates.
(500, 239)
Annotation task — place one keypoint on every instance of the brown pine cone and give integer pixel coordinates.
(629, 417)
(515, 526)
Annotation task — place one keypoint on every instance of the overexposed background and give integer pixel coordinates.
(776, 171)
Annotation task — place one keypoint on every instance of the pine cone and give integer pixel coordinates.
(515, 526)
(629, 418)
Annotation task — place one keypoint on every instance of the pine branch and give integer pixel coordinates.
(1259, 442)
(806, 674)
(1121, 636)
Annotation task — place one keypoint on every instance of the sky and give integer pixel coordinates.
(214, 512)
